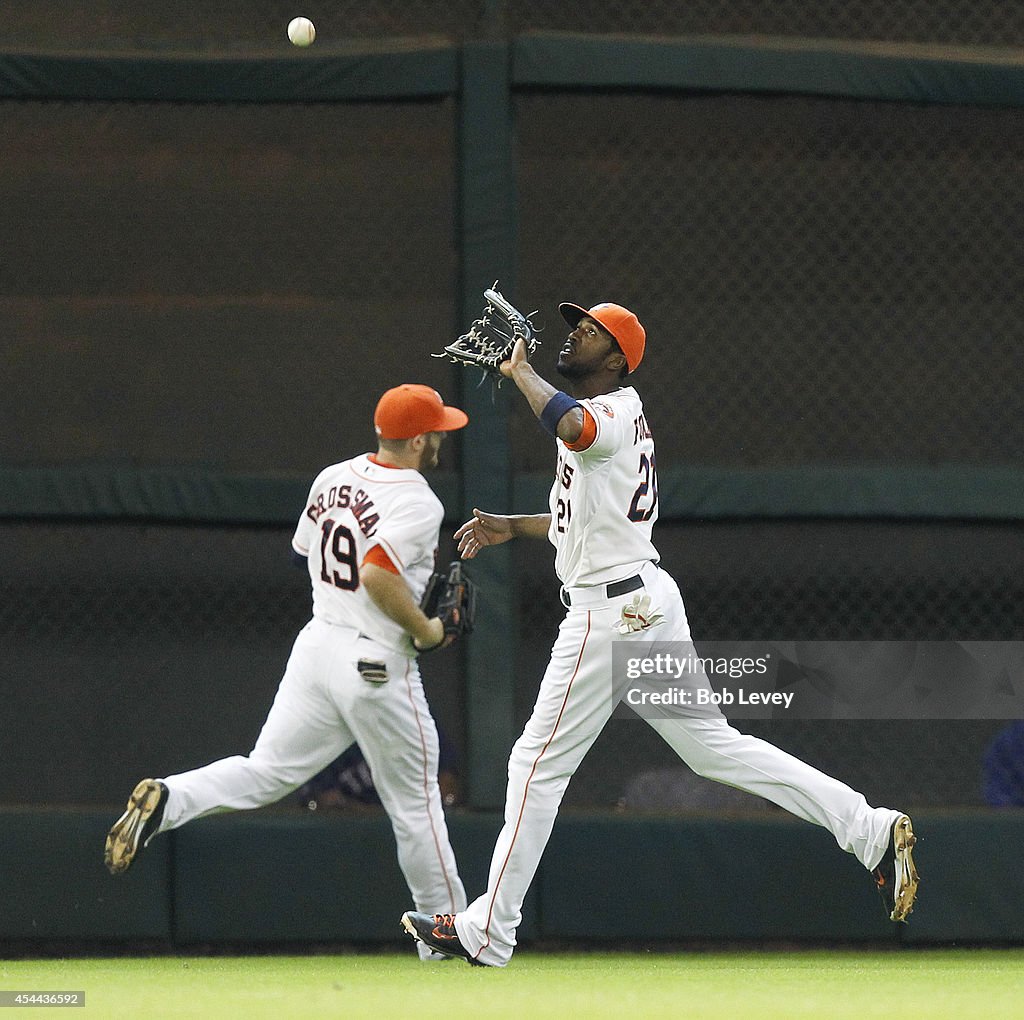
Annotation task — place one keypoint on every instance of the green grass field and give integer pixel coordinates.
(766, 984)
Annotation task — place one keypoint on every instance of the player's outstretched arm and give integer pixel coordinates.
(538, 393)
(391, 595)
(484, 529)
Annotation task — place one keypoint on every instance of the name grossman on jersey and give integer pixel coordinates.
(341, 497)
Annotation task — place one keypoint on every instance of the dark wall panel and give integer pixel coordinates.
(230, 285)
(821, 280)
(129, 650)
(813, 581)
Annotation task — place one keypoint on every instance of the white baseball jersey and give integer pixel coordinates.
(326, 702)
(604, 500)
(352, 507)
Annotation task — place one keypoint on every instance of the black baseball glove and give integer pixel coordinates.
(491, 338)
(451, 596)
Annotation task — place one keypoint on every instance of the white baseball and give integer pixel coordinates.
(301, 31)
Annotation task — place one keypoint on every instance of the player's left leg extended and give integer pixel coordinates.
(880, 838)
(716, 750)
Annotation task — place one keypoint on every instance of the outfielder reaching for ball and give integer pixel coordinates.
(368, 535)
(603, 506)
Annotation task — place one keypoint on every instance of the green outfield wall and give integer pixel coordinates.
(220, 249)
(301, 878)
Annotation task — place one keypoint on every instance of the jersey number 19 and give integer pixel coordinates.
(343, 547)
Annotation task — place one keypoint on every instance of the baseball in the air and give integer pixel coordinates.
(301, 31)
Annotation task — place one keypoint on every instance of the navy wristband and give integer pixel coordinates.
(557, 407)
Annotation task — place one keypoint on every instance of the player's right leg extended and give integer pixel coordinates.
(130, 833)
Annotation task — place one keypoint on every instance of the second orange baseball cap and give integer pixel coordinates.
(620, 322)
(409, 409)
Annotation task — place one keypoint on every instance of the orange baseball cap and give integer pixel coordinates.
(409, 409)
(620, 322)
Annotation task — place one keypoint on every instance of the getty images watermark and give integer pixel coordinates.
(820, 679)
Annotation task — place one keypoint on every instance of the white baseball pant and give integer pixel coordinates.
(573, 705)
(323, 705)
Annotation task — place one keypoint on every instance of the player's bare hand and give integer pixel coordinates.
(433, 636)
(519, 357)
(482, 530)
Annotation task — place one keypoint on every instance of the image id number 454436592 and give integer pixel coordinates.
(35, 998)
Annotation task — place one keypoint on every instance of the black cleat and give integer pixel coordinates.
(437, 932)
(896, 876)
(132, 830)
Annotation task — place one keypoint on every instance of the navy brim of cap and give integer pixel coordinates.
(572, 313)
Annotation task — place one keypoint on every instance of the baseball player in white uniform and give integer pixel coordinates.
(603, 505)
(368, 535)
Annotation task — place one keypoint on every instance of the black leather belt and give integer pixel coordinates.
(615, 589)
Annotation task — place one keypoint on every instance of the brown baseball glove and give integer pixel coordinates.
(451, 596)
